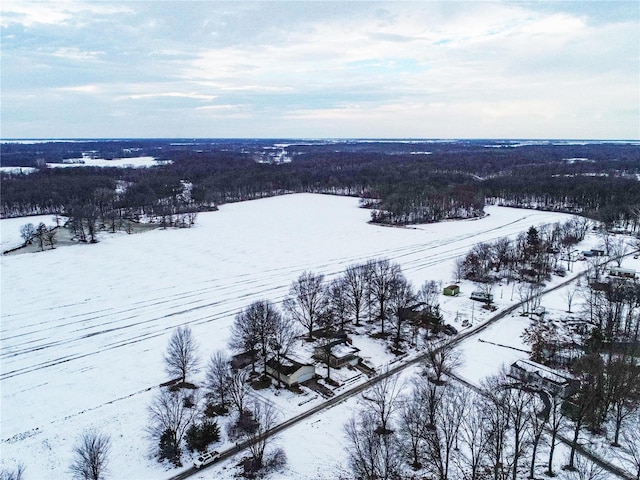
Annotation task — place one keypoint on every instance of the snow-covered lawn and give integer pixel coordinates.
(84, 328)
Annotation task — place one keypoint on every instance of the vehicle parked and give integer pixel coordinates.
(449, 329)
(206, 459)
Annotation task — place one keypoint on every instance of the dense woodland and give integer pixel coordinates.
(402, 182)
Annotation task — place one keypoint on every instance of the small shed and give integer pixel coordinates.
(451, 290)
(290, 371)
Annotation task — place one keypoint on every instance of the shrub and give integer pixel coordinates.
(169, 449)
(200, 436)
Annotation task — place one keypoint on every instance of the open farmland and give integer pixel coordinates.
(84, 328)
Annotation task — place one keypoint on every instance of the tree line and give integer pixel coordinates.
(403, 185)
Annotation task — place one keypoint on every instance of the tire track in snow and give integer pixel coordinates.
(243, 286)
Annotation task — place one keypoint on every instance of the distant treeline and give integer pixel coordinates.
(404, 182)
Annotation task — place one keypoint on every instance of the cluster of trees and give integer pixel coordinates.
(445, 431)
(604, 357)
(180, 415)
(376, 291)
(44, 236)
(613, 200)
(96, 198)
(531, 257)
(432, 201)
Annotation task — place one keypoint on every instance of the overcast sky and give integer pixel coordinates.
(320, 69)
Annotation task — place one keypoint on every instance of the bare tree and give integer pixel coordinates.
(265, 417)
(218, 377)
(337, 314)
(238, 391)
(442, 359)
(442, 442)
(308, 300)
(91, 456)
(383, 397)
(618, 249)
(372, 456)
(260, 319)
(170, 417)
(429, 293)
(285, 332)
(17, 474)
(569, 293)
(631, 442)
(27, 232)
(585, 469)
(386, 277)
(40, 235)
(181, 358)
(244, 337)
(474, 437)
(413, 423)
(354, 284)
(496, 417)
(538, 420)
(556, 421)
(50, 237)
(623, 389)
(519, 421)
(430, 394)
(458, 269)
(529, 295)
(588, 370)
(401, 298)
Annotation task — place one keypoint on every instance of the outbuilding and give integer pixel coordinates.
(451, 290)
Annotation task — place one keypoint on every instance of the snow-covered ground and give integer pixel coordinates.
(133, 162)
(10, 229)
(84, 328)
(18, 170)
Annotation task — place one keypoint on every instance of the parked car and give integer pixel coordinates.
(206, 458)
(449, 329)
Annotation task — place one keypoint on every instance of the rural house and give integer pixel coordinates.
(337, 353)
(290, 371)
(544, 378)
(622, 272)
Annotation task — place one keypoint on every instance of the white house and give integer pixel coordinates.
(542, 377)
(290, 371)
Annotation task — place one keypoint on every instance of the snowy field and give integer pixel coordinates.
(84, 328)
(132, 162)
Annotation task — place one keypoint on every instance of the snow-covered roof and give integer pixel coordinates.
(342, 350)
(543, 371)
